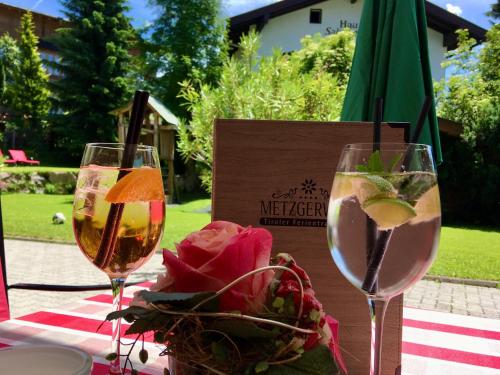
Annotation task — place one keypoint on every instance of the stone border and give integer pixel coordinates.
(44, 240)
(38, 182)
(456, 280)
(442, 279)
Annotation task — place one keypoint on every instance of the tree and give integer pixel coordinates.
(334, 53)
(494, 12)
(186, 41)
(298, 86)
(29, 89)
(471, 96)
(95, 69)
(9, 61)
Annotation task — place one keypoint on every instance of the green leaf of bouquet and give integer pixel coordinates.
(318, 361)
(143, 355)
(182, 300)
(243, 329)
(111, 356)
(261, 366)
(219, 351)
(128, 313)
(139, 326)
(159, 336)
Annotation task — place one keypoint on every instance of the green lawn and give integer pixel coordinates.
(30, 216)
(463, 252)
(468, 253)
(21, 169)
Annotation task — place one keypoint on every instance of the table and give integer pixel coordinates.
(440, 343)
(79, 325)
(434, 343)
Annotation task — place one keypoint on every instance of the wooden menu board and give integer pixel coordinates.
(260, 170)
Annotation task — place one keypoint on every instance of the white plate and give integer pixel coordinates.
(44, 360)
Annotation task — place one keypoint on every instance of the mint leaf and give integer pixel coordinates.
(393, 162)
(375, 163)
(318, 361)
(414, 188)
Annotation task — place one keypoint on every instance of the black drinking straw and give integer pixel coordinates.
(376, 256)
(424, 111)
(109, 234)
(377, 122)
(371, 226)
(426, 106)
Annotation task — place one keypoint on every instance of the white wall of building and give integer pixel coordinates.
(286, 31)
(436, 53)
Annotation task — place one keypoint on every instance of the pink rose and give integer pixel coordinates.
(213, 257)
(331, 329)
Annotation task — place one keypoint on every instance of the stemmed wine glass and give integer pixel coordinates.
(384, 220)
(118, 215)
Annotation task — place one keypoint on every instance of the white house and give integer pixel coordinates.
(283, 24)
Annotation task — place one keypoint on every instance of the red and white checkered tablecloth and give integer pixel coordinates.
(434, 343)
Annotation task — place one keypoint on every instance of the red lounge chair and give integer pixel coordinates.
(4, 302)
(7, 161)
(18, 156)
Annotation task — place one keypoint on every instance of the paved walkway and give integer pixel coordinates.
(39, 262)
(49, 263)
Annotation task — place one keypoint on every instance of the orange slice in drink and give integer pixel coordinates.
(143, 184)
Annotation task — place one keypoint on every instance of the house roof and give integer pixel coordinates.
(438, 19)
(163, 111)
(43, 42)
(18, 8)
(155, 105)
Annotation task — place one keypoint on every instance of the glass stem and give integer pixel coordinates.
(117, 289)
(377, 314)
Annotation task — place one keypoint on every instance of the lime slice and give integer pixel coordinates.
(370, 185)
(427, 206)
(363, 186)
(342, 186)
(388, 213)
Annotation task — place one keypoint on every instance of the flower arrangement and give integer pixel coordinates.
(224, 306)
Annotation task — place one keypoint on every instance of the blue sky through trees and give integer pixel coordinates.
(472, 10)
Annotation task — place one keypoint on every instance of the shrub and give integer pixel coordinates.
(50, 189)
(470, 174)
(308, 84)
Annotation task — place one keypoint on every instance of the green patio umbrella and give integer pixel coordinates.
(391, 61)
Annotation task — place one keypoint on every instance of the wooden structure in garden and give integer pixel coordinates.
(158, 130)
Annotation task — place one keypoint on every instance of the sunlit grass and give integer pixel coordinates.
(34, 168)
(30, 216)
(463, 252)
(468, 253)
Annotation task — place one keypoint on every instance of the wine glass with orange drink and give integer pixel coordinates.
(118, 216)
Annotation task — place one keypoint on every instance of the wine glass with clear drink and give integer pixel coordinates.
(384, 220)
(118, 215)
